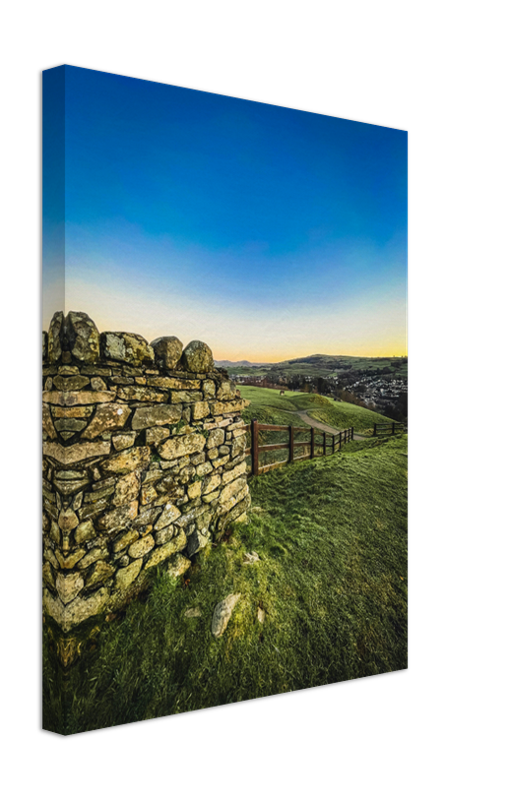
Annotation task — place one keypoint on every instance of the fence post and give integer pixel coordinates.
(312, 442)
(254, 446)
(290, 429)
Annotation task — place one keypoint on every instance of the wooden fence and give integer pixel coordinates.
(388, 428)
(318, 443)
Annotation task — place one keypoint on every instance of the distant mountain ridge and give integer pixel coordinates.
(316, 358)
(346, 370)
(226, 363)
(305, 359)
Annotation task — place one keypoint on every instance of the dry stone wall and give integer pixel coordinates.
(143, 463)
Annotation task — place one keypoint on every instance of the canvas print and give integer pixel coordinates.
(224, 400)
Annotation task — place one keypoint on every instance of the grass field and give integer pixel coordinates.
(269, 407)
(346, 415)
(331, 581)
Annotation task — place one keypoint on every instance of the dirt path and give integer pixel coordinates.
(314, 423)
(322, 426)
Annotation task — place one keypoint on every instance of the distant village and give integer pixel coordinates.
(382, 393)
(379, 392)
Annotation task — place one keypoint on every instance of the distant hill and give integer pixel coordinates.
(321, 365)
(226, 363)
(316, 358)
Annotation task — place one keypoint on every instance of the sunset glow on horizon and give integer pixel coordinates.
(268, 233)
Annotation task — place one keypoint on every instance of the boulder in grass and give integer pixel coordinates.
(222, 614)
(192, 612)
(251, 558)
(197, 357)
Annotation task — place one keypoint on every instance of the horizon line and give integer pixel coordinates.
(259, 362)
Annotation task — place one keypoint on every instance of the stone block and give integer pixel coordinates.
(83, 337)
(130, 348)
(141, 547)
(181, 446)
(76, 452)
(234, 473)
(166, 550)
(108, 417)
(68, 617)
(200, 410)
(127, 461)
(118, 518)
(126, 576)
(167, 351)
(148, 416)
(216, 438)
(197, 357)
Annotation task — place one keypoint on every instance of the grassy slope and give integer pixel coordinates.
(269, 397)
(271, 408)
(268, 406)
(346, 415)
(331, 536)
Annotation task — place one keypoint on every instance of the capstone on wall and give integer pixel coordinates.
(143, 462)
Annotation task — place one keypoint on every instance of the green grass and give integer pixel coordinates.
(346, 415)
(267, 405)
(331, 536)
(269, 408)
(260, 397)
(303, 401)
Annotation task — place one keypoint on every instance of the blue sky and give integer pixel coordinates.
(265, 231)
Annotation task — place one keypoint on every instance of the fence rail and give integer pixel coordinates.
(388, 428)
(319, 443)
